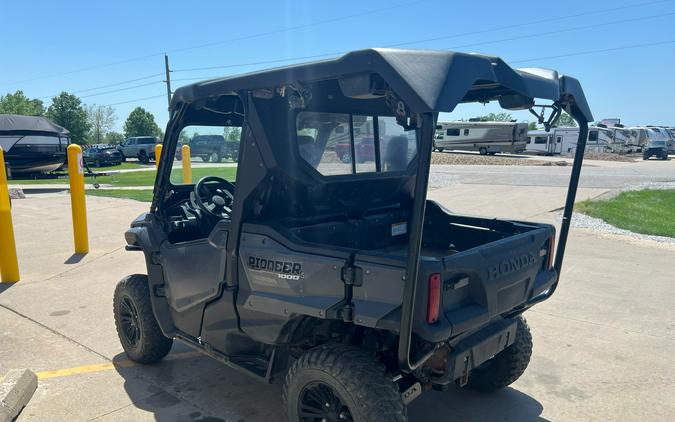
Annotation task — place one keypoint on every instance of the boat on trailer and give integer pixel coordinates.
(32, 145)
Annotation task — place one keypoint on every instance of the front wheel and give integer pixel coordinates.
(337, 382)
(482, 151)
(214, 157)
(507, 366)
(137, 328)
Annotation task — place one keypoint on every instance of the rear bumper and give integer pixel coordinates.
(477, 349)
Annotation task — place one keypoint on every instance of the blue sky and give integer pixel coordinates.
(44, 38)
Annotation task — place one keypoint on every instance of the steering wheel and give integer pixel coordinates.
(214, 196)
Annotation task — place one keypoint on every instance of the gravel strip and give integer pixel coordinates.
(641, 186)
(628, 158)
(584, 221)
(496, 160)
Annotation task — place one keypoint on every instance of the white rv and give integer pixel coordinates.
(560, 140)
(484, 137)
(600, 139)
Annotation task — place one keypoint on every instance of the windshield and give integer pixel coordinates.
(657, 143)
(341, 144)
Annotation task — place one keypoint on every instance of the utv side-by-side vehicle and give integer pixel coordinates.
(339, 274)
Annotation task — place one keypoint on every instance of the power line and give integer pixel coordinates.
(336, 53)
(558, 31)
(323, 55)
(454, 47)
(105, 86)
(579, 53)
(288, 59)
(501, 28)
(601, 50)
(83, 69)
(194, 47)
(121, 89)
(293, 28)
(201, 78)
(135, 100)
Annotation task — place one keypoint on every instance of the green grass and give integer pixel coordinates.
(141, 178)
(123, 166)
(136, 194)
(646, 211)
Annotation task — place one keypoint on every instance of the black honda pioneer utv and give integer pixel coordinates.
(342, 275)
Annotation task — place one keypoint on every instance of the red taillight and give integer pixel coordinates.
(434, 302)
(551, 247)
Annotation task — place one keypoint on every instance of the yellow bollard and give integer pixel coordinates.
(158, 154)
(77, 201)
(9, 266)
(187, 166)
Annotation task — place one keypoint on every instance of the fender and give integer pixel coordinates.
(139, 237)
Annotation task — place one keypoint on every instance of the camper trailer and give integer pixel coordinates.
(484, 137)
(32, 144)
(621, 140)
(561, 140)
(600, 140)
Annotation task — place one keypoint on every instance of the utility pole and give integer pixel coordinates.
(168, 80)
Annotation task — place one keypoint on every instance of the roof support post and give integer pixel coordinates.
(415, 243)
(569, 208)
(571, 194)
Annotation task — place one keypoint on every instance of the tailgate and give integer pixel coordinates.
(485, 282)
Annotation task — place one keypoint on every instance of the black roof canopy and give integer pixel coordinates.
(427, 81)
(14, 124)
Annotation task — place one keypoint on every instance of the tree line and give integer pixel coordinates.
(88, 124)
(565, 120)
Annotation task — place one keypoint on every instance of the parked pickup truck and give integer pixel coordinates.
(211, 148)
(141, 147)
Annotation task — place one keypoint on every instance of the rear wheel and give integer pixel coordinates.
(482, 151)
(137, 328)
(206, 158)
(143, 157)
(507, 366)
(346, 158)
(337, 382)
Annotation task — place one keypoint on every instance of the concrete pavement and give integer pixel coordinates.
(603, 344)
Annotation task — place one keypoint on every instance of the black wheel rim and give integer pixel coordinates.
(131, 329)
(320, 403)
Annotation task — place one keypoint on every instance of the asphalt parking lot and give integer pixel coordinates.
(604, 344)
